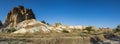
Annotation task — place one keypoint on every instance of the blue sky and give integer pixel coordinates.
(99, 13)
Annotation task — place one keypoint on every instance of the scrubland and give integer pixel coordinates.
(75, 37)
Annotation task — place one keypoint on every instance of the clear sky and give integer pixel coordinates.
(99, 13)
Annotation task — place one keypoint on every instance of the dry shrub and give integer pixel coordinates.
(63, 40)
(117, 34)
(54, 38)
(86, 40)
(101, 37)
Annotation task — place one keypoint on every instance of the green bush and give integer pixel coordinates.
(10, 30)
(89, 29)
(118, 28)
(65, 31)
(43, 21)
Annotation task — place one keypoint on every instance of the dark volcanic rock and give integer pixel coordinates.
(17, 15)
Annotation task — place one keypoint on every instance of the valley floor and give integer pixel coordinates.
(66, 38)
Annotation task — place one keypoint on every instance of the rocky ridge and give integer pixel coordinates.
(32, 26)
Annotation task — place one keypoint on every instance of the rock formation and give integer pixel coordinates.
(32, 26)
(17, 15)
(0, 24)
(24, 21)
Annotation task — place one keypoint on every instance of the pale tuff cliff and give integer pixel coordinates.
(32, 26)
(17, 15)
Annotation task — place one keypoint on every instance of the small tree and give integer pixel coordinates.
(89, 29)
(43, 21)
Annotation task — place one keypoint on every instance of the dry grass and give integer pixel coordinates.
(50, 38)
(117, 33)
(44, 38)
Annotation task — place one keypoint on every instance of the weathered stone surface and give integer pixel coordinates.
(32, 26)
(17, 15)
(0, 24)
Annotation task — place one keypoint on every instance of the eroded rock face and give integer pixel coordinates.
(0, 24)
(17, 15)
(32, 26)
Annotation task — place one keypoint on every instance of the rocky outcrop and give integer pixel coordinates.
(0, 24)
(32, 26)
(17, 15)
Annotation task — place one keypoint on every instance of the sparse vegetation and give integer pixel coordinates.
(57, 38)
(52, 38)
(65, 31)
(118, 28)
(10, 30)
(43, 21)
(89, 29)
